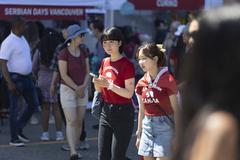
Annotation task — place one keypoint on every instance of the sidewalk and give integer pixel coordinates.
(51, 150)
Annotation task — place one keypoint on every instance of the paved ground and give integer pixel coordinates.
(37, 150)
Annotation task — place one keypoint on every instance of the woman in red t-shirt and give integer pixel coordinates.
(116, 83)
(157, 97)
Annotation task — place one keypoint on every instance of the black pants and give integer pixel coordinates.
(115, 131)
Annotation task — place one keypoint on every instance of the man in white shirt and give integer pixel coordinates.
(16, 64)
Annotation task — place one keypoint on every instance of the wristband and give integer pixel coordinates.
(110, 86)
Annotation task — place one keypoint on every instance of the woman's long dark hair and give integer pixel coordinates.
(212, 74)
(47, 45)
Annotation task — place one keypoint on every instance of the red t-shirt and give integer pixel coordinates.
(76, 66)
(155, 97)
(117, 72)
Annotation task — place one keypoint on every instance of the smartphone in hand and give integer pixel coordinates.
(93, 75)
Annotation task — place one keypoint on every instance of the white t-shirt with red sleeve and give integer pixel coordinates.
(155, 93)
(116, 72)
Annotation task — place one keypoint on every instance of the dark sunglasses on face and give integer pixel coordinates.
(82, 35)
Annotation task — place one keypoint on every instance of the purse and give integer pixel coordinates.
(97, 105)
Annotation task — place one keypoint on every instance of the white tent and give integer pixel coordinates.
(111, 4)
(54, 2)
(212, 4)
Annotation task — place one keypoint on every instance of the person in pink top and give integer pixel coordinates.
(157, 97)
(116, 84)
(74, 69)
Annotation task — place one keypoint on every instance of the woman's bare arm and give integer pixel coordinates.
(126, 92)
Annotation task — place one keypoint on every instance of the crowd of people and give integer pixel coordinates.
(186, 92)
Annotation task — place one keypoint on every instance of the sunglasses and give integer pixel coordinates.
(82, 35)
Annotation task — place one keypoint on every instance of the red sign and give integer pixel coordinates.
(42, 12)
(168, 4)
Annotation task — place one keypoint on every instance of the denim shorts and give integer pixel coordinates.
(156, 138)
